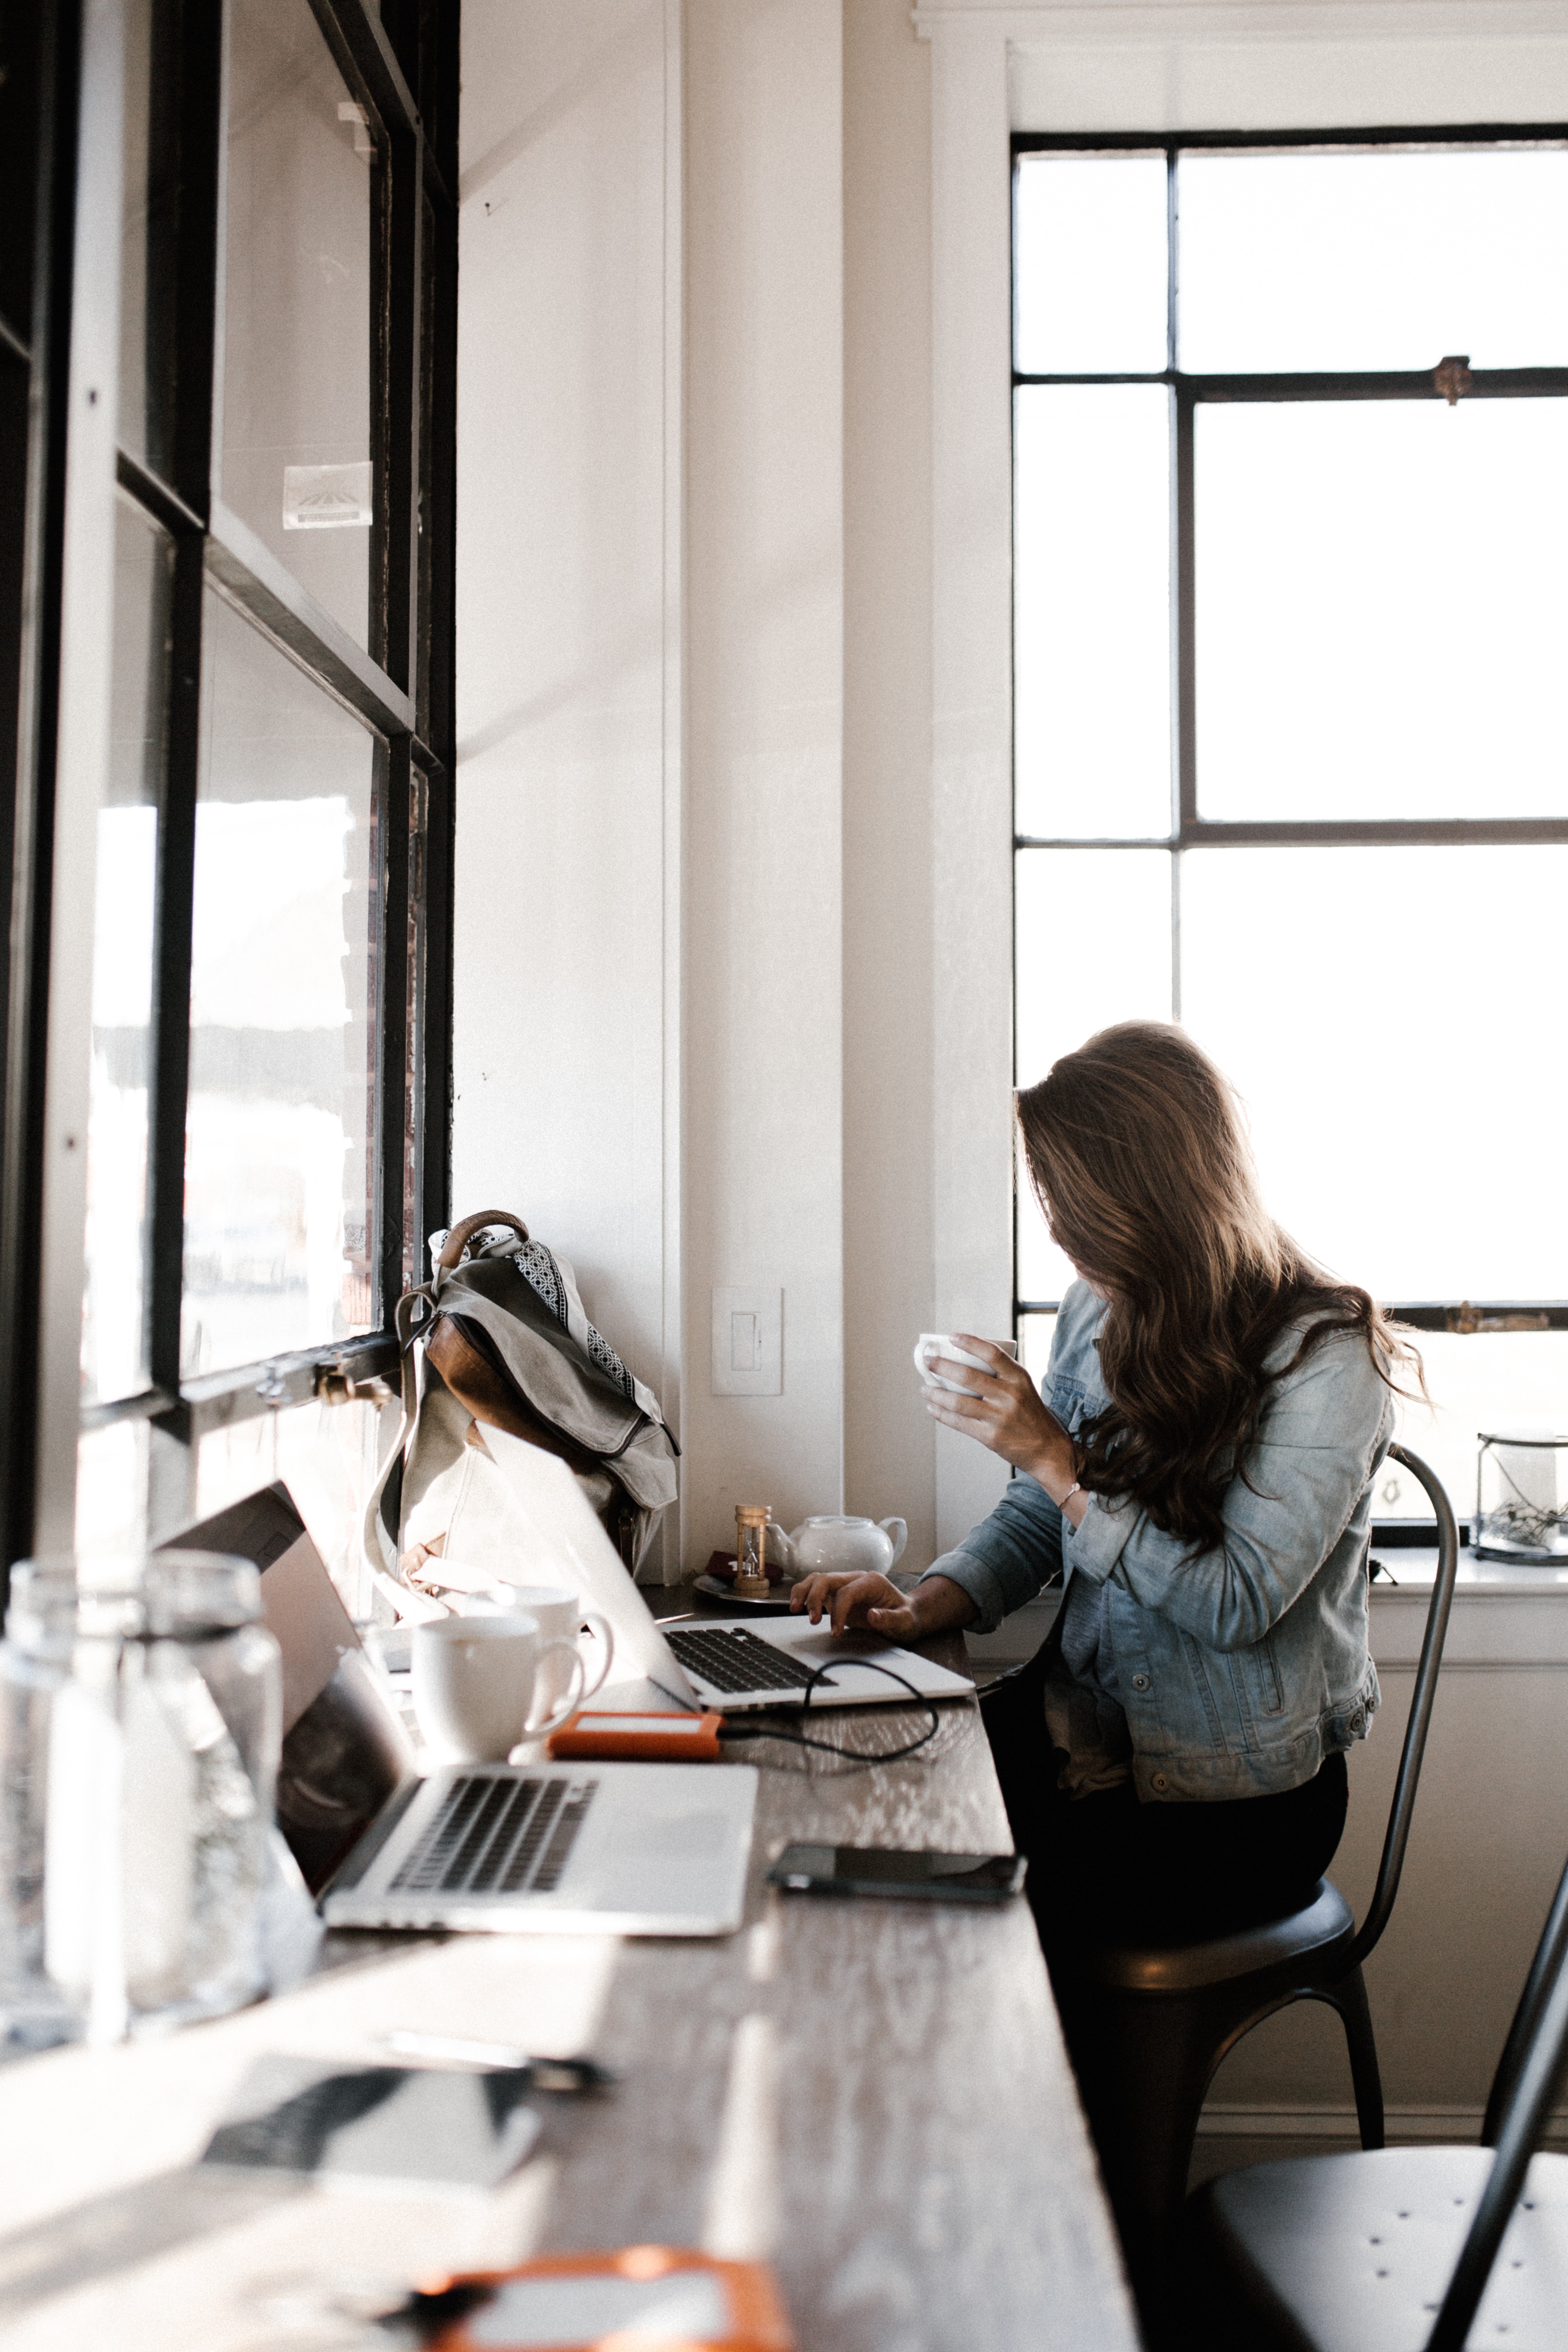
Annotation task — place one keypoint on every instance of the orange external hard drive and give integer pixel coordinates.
(650, 2296)
(640, 1739)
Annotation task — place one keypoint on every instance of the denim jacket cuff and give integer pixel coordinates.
(1093, 1548)
(962, 1568)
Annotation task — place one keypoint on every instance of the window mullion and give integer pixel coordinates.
(172, 965)
(389, 937)
(1183, 616)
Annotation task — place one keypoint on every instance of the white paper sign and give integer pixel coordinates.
(328, 498)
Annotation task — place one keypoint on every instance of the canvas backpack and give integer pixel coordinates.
(503, 1338)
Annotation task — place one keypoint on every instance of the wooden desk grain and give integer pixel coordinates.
(874, 2092)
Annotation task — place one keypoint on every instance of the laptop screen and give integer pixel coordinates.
(344, 1747)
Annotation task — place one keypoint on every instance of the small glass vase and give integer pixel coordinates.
(140, 1721)
(1521, 1499)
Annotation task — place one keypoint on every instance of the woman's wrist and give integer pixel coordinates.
(1056, 1470)
(942, 1606)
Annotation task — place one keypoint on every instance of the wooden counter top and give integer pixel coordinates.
(874, 2094)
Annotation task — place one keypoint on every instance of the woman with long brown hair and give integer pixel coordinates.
(1199, 1460)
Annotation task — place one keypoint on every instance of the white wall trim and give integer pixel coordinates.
(972, 721)
(669, 1552)
(1254, 20)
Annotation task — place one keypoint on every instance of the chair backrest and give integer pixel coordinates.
(1403, 1809)
(1550, 1954)
(1529, 2078)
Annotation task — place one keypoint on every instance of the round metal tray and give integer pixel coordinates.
(775, 1605)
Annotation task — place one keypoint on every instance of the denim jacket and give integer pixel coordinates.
(1242, 1668)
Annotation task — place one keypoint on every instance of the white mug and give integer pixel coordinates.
(474, 1683)
(561, 1617)
(943, 1343)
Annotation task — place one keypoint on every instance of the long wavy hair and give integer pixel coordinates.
(1138, 1153)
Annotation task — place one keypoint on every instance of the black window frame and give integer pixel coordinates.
(401, 65)
(1188, 829)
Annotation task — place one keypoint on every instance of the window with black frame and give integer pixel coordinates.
(266, 1129)
(1290, 706)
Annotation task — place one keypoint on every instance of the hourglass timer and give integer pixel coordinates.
(750, 1558)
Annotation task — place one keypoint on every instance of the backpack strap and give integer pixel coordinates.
(462, 1232)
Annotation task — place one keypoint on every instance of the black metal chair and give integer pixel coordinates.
(1395, 2250)
(1148, 2025)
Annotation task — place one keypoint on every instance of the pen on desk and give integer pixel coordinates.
(462, 2049)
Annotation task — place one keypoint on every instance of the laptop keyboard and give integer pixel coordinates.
(734, 1659)
(495, 1835)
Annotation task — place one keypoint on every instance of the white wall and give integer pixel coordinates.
(695, 800)
(890, 881)
(763, 1129)
(567, 921)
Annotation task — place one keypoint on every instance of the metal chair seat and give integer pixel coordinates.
(1316, 1933)
(1357, 2253)
(1354, 2253)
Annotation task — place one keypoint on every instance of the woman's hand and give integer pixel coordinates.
(934, 1606)
(1005, 1411)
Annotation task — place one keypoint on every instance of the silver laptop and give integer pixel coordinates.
(736, 1665)
(559, 1849)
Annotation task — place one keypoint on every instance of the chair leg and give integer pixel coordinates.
(1143, 2064)
(1349, 1998)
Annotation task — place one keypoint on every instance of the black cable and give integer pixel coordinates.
(829, 1747)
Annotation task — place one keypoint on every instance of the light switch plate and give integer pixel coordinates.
(748, 1342)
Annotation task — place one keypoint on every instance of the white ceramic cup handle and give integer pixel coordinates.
(574, 1696)
(601, 1626)
(899, 1533)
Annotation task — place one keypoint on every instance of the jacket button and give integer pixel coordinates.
(1140, 1682)
(1159, 1781)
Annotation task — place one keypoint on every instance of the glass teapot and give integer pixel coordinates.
(831, 1545)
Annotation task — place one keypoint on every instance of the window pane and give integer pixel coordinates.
(151, 202)
(1322, 262)
(113, 1336)
(327, 1456)
(1092, 613)
(1035, 1333)
(279, 1140)
(1093, 931)
(1092, 288)
(1395, 1018)
(1382, 609)
(1491, 1380)
(295, 369)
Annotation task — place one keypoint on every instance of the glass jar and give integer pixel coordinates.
(139, 1715)
(1522, 1509)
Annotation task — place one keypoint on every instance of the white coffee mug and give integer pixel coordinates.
(941, 1343)
(561, 1617)
(474, 1679)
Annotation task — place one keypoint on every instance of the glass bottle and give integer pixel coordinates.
(141, 1707)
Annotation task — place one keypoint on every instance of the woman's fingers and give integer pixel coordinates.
(987, 1381)
(847, 1600)
(1004, 1411)
(812, 1594)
